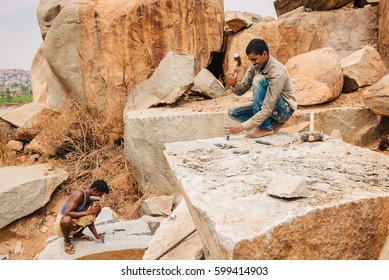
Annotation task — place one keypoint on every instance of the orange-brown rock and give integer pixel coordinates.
(346, 31)
(362, 68)
(316, 75)
(96, 51)
(377, 97)
(383, 31)
(284, 6)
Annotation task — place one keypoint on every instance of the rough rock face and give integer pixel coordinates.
(39, 76)
(357, 126)
(146, 153)
(5, 130)
(377, 97)
(176, 233)
(29, 186)
(22, 116)
(171, 78)
(316, 75)
(343, 217)
(362, 68)
(207, 84)
(236, 20)
(383, 31)
(98, 51)
(289, 36)
(284, 6)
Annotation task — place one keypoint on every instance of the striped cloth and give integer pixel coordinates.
(77, 224)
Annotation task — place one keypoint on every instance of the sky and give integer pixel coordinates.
(20, 35)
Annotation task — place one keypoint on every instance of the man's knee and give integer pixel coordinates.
(66, 221)
(231, 112)
(259, 80)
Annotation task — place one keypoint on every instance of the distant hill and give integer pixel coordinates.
(14, 77)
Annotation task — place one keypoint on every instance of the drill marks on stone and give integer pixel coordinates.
(335, 172)
(331, 163)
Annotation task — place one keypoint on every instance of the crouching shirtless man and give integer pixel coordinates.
(79, 212)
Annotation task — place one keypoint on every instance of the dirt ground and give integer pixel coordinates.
(25, 238)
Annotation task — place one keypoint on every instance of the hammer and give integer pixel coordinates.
(94, 198)
(311, 135)
(237, 60)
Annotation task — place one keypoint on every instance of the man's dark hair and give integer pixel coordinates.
(257, 46)
(101, 186)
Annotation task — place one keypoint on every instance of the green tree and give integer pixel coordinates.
(8, 92)
(24, 89)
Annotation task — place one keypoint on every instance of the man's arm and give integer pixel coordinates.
(92, 228)
(73, 202)
(242, 87)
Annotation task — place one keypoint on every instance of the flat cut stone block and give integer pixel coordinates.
(343, 217)
(131, 234)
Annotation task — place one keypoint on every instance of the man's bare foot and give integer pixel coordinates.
(258, 133)
(68, 248)
(82, 237)
(278, 127)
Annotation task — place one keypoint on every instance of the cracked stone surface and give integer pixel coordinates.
(344, 215)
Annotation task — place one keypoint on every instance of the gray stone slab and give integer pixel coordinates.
(146, 153)
(132, 234)
(357, 126)
(22, 116)
(106, 216)
(25, 189)
(172, 234)
(225, 186)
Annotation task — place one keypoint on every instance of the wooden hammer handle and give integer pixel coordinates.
(312, 122)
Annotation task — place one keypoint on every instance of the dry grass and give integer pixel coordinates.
(87, 154)
(3, 149)
(83, 147)
(7, 157)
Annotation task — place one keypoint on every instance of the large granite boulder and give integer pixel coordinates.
(25, 189)
(38, 74)
(377, 97)
(173, 77)
(345, 31)
(362, 68)
(284, 6)
(343, 217)
(97, 51)
(146, 131)
(23, 116)
(235, 21)
(357, 125)
(383, 30)
(316, 75)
